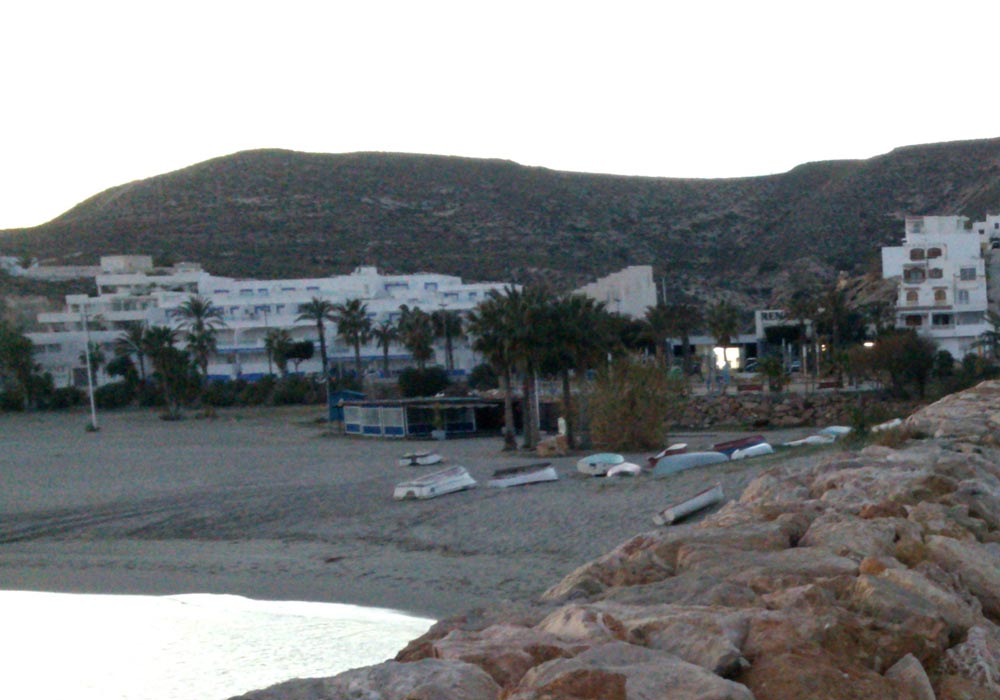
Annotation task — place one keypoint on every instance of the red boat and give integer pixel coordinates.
(729, 446)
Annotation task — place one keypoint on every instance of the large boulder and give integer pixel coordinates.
(430, 679)
(977, 659)
(619, 671)
(505, 652)
(814, 673)
(709, 637)
(976, 565)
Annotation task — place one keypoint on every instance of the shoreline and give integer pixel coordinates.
(260, 503)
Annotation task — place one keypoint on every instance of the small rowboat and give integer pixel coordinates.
(757, 450)
(524, 474)
(673, 513)
(436, 484)
(730, 446)
(599, 464)
(687, 460)
(624, 469)
(419, 459)
(675, 449)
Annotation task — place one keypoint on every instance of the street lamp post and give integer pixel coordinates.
(90, 372)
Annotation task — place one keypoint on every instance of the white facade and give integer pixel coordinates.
(941, 270)
(250, 308)
(630, 291)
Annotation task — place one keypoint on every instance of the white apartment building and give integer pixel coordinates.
(129, 290)
(629, 291)
(941, 270)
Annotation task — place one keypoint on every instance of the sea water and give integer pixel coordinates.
(183, 647)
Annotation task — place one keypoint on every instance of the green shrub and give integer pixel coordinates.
(114, 395)
(414, 382)
(630, 404)
(11, 400)
(483, 378)
(221, 393)
(63, 398)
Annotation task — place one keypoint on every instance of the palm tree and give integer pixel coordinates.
(130, 343)
(16, 359)
(96, 358)
(682, 319)
(491, 328)
(581, 336)
(276, 344)
(723, 321)
(447, 325)
(530, 310)
(201, 319)
(416, 330)
(990, 339)
(385, 333)
(319, 311)
(169, 364)
(354, 326)
(658, 328)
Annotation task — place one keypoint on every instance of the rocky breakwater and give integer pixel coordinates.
(872, 574)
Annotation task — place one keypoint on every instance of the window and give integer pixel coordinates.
(914, 275)
(912, 297)
(430, 286)
(262, 292)
(913, 321)
(221, 291)
(967, 274)
(933, 253)
(916, 254)
(935, 273)
(246, 292)
(940, 296)
(941, 320)
(963, 296)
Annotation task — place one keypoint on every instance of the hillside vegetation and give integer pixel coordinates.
(272, 213)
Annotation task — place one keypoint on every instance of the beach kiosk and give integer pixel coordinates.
(416, 418)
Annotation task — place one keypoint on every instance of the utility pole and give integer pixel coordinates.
(90, 372)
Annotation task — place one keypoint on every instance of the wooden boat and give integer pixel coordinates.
(757, 450)
(687, 460)
(675, 449)
(436, 484)
(524, 474)
(419, 459)
(888, 425)
(704, 499)
(598, 464)
(835, 431)
(729, 446)
(811, 440)
(624, 469)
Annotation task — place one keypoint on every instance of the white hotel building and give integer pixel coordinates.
(941, 270)
(131, 290)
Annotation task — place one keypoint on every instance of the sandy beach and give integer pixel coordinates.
(266, 504)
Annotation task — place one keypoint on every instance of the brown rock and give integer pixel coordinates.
(885, 509)
(797, 675)
(959, 688)
(910, 677)
(976, 659)
(976, 566)
(428, 679)
(852, 537)
(619, 670)
(505, 652)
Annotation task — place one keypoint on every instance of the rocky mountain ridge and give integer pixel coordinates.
(274, 213)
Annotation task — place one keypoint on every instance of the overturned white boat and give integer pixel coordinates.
(624, 469)
(436, 484)
(687, 460)
(704, 499)
(599, 464)
(757, 450)
(419, 459)
(524, 474)
(811, 440)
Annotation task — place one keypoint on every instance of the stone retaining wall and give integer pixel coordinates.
(759, 410)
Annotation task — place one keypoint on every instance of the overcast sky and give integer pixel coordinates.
(100, 93)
